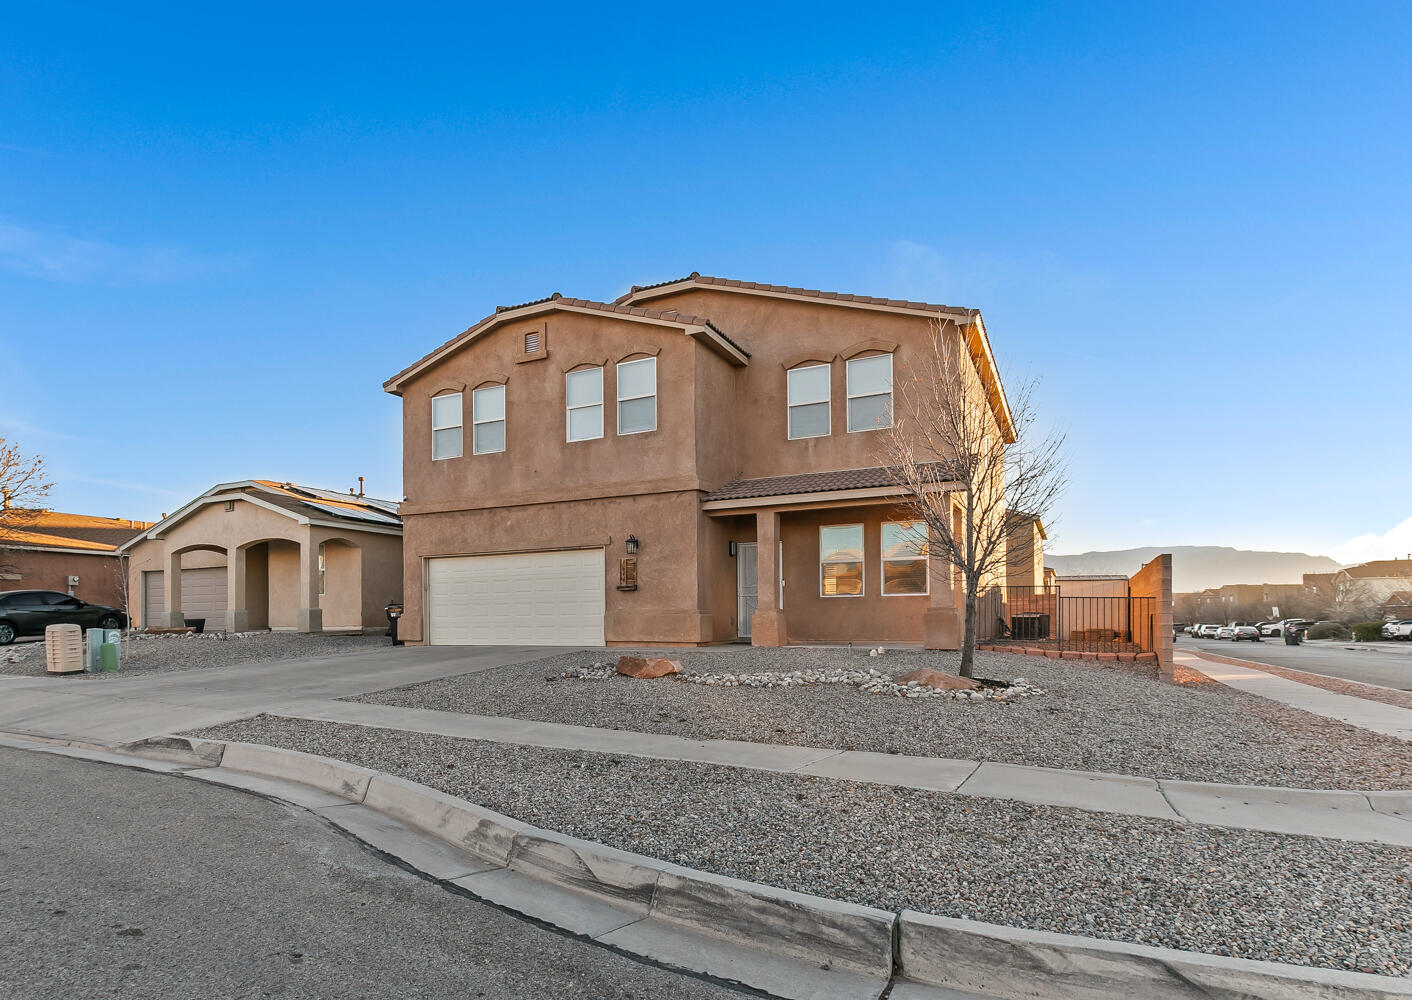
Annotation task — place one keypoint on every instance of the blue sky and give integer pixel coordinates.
(222, 228)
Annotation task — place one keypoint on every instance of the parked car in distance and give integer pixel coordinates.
(1225, 631)
(1271, 628)
(1400, 629)
(28, 612)
(1209, 631)
(1239, 632)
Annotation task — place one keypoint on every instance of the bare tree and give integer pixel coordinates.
(23, 489)
(970, 477)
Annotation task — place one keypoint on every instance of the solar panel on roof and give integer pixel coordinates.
(356, 514)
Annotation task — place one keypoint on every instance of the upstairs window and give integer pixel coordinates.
(904, 558)
(870, 393)
(488, 420)
(446, 426)
(841, 560)
(809, 406)
(637, 396)
(583, 392)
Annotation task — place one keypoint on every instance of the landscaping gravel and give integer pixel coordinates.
(152, 654)
(1252, 895)
(1092, 717)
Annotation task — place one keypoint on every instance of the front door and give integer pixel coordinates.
(747, 587)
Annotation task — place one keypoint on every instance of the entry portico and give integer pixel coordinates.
(837, 560)
(291, 557)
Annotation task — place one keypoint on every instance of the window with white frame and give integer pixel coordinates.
(637, 396)
(323, 571)
(870, 393)
(904, 558)
(446, 426)
(583, 393)
(841, 560)
(808, 400)
(488, 420)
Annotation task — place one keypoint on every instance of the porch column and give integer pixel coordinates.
(237, 614)
(171, 584)
(941, 623)
(311, 616)
(767, 626)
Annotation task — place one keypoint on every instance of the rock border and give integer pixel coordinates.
(781, 942)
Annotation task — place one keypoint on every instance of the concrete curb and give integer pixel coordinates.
(785, 943)
(1014, 962)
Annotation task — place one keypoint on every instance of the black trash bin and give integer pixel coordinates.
(394, 612)
(1292, 636)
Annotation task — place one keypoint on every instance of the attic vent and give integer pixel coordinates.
(230, 505)
(532, 342)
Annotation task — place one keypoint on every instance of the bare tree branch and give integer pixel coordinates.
(24, 486)
(959, 475)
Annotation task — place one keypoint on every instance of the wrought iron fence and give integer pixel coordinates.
(1047, 617)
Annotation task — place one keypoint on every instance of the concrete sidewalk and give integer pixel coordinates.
(1390, 720)
(1376, 817)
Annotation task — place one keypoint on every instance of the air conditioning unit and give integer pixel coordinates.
(63, 649)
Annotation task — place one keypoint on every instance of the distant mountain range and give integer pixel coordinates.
(1196, 567)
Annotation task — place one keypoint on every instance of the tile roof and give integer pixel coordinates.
(662, 315)
(55, 529)
(807, 482)
(702, 279)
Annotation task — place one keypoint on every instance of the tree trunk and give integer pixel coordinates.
(968, 637)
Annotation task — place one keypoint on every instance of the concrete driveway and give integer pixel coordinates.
(1384, 664)
(120, 710)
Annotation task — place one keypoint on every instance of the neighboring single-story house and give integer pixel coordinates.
(71, 553)
(259, 554)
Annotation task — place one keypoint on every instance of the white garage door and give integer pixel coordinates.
(532, 599)
(203, 595)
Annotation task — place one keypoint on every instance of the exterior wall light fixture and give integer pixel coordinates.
(731, 547)
(631, 545)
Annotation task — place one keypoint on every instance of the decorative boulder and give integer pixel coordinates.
(639, 666)
(927, 677)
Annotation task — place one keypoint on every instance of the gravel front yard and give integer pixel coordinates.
(163, 653)
(1252, 895)
(1093, 718)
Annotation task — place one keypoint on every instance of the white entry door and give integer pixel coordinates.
(528, 599)
(747, 586)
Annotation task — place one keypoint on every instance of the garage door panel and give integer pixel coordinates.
(537, 598)
(203, 595)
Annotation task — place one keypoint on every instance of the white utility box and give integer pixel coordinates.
(63, 649)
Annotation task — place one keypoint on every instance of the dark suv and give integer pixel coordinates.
(27, 612)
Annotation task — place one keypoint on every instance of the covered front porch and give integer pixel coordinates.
(833, 558)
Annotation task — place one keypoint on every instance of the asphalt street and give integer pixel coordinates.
(1390, 667)
(121, 883)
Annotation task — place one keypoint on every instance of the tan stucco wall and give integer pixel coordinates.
(869, 618)
(1155, 580)
(666, 607)
(284, 585)
(779, 331)
(538, 462)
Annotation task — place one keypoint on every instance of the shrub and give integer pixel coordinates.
(1333, 630)
(1367, 631)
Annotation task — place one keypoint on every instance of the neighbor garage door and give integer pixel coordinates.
(203, 595)
(536, 599)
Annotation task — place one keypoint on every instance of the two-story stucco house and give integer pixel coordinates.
(696, 462)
